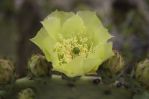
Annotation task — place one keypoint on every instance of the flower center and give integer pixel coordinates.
(76, 50)
(67, 49)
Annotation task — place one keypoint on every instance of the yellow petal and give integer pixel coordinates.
(95, 29)
(52, 26)
(63, 16)
(44, 42)
(72, 69)
(73, 26)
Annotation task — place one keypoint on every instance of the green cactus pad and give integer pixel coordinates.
(58, 88)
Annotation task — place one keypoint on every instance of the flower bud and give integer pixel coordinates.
(26, 94)
(142, 72)
(6, 71)
(38, 65)
(115, 64)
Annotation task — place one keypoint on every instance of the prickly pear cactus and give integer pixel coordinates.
(61, 87)
(58, 88)
(76, 44)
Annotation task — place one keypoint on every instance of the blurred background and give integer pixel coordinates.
(126, 20)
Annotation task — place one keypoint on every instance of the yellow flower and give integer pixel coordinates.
(75, 43)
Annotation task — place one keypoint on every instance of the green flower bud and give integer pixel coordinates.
(115, 64)
(142, 72)
(26, 94)
(38, 65)
(6, 71)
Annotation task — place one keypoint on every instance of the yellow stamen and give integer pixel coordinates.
(68, 49)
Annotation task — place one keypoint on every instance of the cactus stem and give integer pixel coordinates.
(55, 83)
